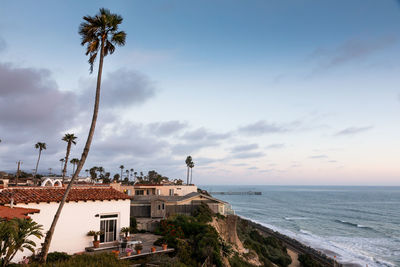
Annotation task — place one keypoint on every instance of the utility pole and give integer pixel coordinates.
(17, 175)
(50, 169)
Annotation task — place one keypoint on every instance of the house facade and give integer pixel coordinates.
(155, 189)
(86, 209)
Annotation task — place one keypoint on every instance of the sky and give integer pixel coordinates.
(257, 92)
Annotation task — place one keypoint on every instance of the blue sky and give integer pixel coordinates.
(260, 92)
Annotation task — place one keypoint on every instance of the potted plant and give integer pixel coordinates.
(153, 249)
(95, 234)
(125, 231)
(164, 245)
(128, 251)
(138, 248)
(115, 252)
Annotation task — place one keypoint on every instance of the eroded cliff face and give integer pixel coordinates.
(227, 230)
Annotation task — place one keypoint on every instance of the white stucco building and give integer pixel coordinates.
(87, 208)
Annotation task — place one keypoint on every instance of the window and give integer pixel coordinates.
(171, 192)
(139, 192)
(159, 207)
(158, 192)
(163, 207)
(147, 192)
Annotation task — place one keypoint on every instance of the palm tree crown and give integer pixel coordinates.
(101, 29)
(40, 146)
(70, 138)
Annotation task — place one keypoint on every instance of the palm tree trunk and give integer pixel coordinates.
(191, 175)
(66, 161)
(187, 178)
(37, 165)
(49, 235)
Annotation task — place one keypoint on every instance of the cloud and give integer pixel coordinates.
(122, 88)
(351, 50)
(353, 130)
(204, 134)
(275, 146)
(242, 148)
(263, 127)
(247, 155)
(167, 128)
(31, 104)
(319, 157)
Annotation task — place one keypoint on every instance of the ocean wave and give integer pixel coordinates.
(295, 218)
(342, 252)
(353, 224)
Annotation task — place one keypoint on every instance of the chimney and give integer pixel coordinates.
(12, 202)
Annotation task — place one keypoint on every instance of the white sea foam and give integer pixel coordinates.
(346, 250)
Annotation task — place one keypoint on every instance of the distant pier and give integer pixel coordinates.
(237, 193)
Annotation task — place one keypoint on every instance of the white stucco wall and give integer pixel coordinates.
(77, 218)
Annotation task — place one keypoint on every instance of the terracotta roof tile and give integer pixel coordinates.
(55, 194)
(15, 212)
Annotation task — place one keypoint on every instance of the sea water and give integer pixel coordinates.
(359, 225)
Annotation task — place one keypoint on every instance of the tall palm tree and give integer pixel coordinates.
(100, 170)
(70, 139)
(132, 170)
(191, 166)
(188, 162)
(62, 163)
(100, 34)
(40, 146)
(74, 162)
(122, 168)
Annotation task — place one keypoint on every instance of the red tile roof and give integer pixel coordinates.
(15, 212)
(55, 194)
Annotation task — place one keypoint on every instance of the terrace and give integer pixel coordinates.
(147, 241)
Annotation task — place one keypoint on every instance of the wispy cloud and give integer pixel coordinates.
(350, 51)
(248, 155)
(353, 130)
(263, 127)
(275, 146)
(243, 148)
(319, 157)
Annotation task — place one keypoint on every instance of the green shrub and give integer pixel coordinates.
(95, 260)
(307, 261)
(203, 213)
(236, 261)
(57, 256)
(269, 249)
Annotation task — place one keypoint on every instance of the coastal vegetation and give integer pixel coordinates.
(15, 236)
(41, 146)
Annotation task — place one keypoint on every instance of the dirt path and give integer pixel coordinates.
(293, 255)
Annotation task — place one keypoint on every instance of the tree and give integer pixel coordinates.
(122, 168)
(74, 162)
(116, 177)
(191, 166)
(40, 146)
(188, 161)
(14, 235)
(100, 170)
(100, 34)
(127, 174)
(62, 163)
(70, 139)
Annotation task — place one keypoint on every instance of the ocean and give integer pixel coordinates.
(358, 225)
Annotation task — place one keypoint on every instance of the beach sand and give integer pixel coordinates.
(293, 255)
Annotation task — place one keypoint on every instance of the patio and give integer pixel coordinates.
(147, 242)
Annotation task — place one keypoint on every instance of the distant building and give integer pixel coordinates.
(87, 208)
(155, 189)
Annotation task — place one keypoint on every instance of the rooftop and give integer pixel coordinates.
(10, 213)
(55, 194)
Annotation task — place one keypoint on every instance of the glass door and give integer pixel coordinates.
(108, 226)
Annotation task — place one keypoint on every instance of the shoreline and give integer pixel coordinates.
(296, 246)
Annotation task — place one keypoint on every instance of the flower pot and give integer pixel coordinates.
(138, 251)
(116, 253)
(153, 249)
(164, 246)
(96, 244)
(128, 253)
